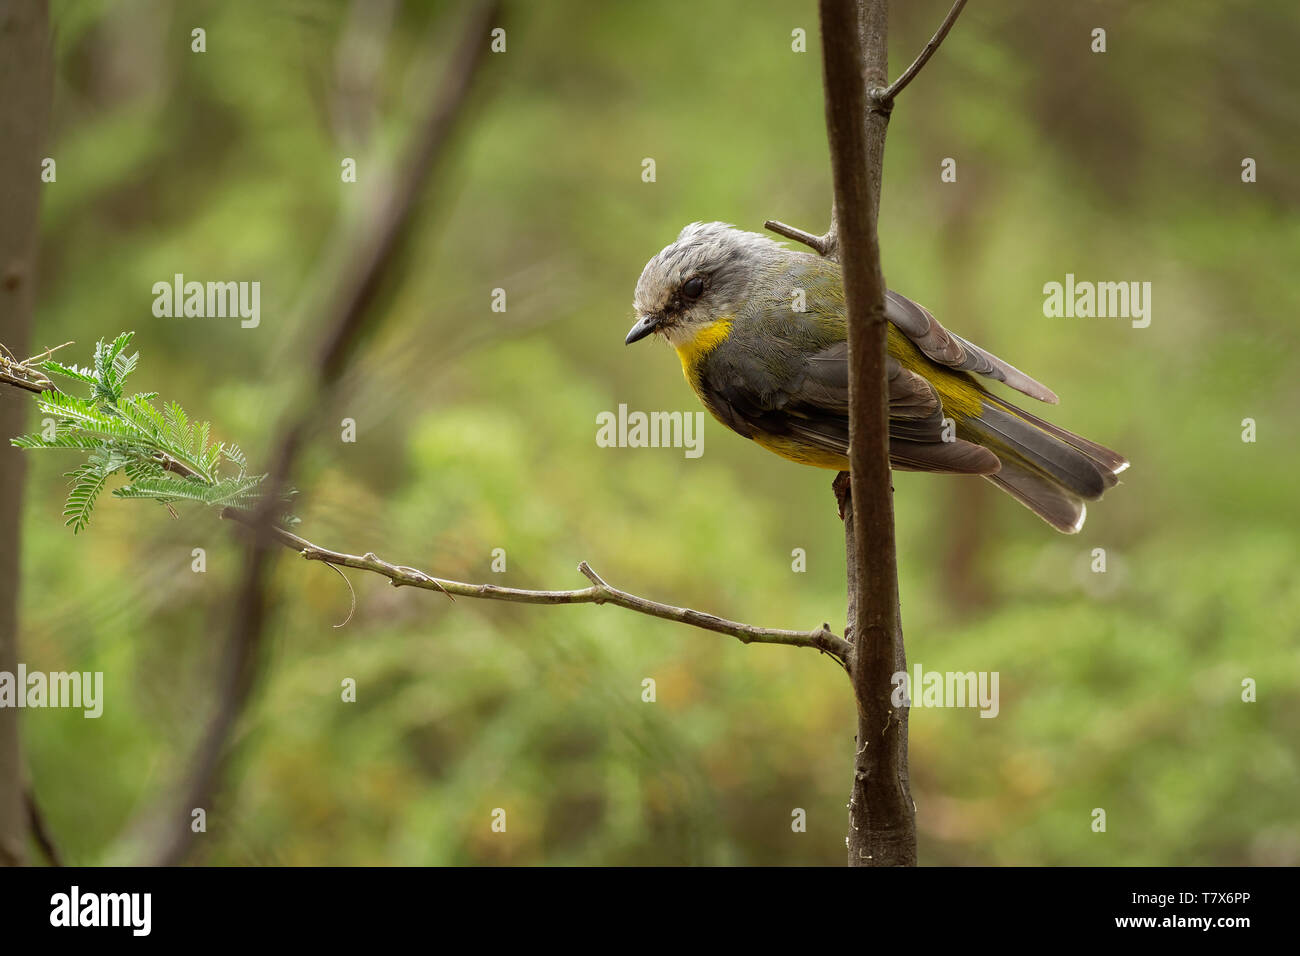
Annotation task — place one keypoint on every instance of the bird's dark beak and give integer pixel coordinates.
(644, 326)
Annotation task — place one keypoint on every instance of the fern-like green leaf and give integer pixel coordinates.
(70, 407)
(113, 351)
(88, 483)
(60, 440)
(109, 429)
(234, 454)
(123, 366)
(137, 437)
(180, 423)
(143, 468)
(140, 412)
(211, 458)
(107, 460)
(199, 444)
(225, 491)
(84, 375)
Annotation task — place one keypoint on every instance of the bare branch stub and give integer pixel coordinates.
(819, 244)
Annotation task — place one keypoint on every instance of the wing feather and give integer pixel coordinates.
(949, 348)
(812, 405)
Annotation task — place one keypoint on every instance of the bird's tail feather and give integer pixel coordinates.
(1048, 469)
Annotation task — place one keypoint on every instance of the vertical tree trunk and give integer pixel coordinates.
(882, 818)
(24, 110)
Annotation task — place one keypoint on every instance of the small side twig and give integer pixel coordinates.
(43, 356)
(884, 99)
(822, 245)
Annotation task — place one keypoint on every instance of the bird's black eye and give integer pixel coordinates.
(693, 287)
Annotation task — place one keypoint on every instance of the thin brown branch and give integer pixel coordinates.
(600, 592)
(45, 354)
(885, 98)
(819, 244)
(20, 375)
(882, 818)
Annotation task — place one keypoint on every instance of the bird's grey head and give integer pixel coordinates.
(700, 278)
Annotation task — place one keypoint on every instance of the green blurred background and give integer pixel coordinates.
(475, 431)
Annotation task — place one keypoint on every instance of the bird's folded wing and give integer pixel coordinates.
(952, 350)
(914, 407)
(816, 409)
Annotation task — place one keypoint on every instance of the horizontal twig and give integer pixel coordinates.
(600, 592)
(819, 244)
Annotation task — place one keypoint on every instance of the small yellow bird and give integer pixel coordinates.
(762, 337)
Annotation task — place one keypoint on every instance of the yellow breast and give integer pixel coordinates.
(705, 341)
(802, 453)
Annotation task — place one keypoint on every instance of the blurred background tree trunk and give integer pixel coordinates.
(966, 514)
(25, 80)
